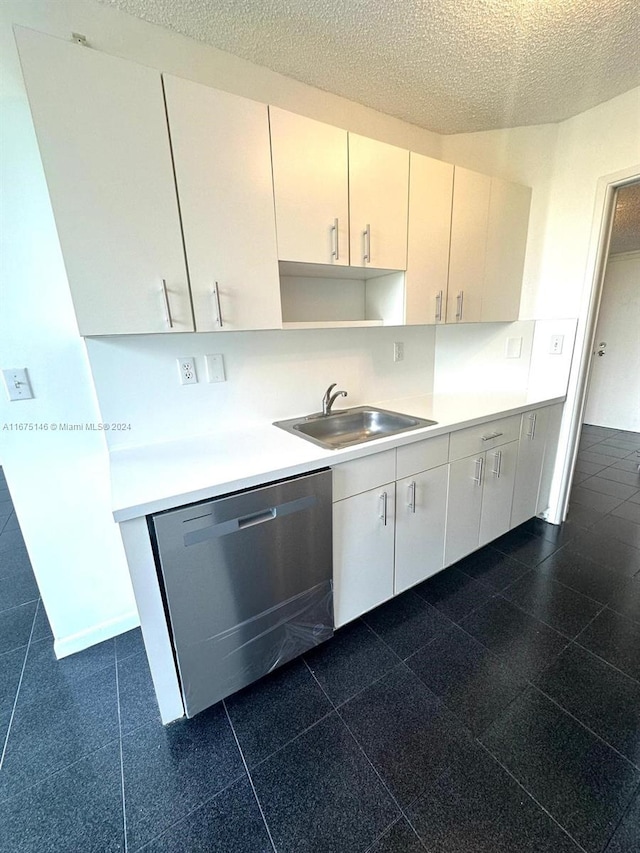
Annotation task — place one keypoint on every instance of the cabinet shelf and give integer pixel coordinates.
(332, 324)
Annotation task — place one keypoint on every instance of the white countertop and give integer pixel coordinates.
(154, 477)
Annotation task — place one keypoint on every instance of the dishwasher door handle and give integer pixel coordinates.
(234, 525)
(257, 518)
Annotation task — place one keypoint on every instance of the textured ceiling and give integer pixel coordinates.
(447, 65)
(625, 236)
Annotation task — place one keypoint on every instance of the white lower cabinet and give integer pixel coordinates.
(421, 509)
(464, 507)
(533, 437)
(480, 496)
(390, 534)
(363, 546)
(497, 491)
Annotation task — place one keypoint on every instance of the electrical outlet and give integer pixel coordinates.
(187, 370)
(17, 381)
(555, 347)
(215, 367)
(398, 351)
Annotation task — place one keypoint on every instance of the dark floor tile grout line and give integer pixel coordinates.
(187, 814)
(636, 793)
(58, 771)
(29, 601)
(386, 831)
(635, 767)
(530, 795)
(604, 660)
(124, 799)
(368, 760)
(547, 624)
(249, 777)
(15, 700)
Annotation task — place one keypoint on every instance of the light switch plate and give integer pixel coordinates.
(513, 348)
(17, 383)
(215, 367)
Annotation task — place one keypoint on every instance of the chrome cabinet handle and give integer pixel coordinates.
(167, 305)
(412, 496)
(492, 436)
(438, 306)
(459, 305)
(532, 427)
(479, 466)
(497, 464)
(216, 296)
(383, 511)
(366, 234)
(336, 248)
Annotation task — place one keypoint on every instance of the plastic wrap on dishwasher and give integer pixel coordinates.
(238, 656)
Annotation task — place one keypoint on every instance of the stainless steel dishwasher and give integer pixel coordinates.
(247, 582)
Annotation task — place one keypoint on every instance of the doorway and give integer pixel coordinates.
(605, 492)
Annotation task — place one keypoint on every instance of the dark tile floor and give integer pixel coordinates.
(495, 707)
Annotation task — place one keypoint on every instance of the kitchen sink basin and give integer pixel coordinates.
(351, 426)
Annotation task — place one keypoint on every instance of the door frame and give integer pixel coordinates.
(597, 258)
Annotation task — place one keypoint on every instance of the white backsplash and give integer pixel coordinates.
(270, 375)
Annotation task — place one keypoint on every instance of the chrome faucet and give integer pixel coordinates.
(329, 399)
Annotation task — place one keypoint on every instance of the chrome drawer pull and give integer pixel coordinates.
(532, 428)
(336, 251)
(412, 496)
(367, 244)
(383, 511)
(492, 436)
(167, 305)
(438, 306)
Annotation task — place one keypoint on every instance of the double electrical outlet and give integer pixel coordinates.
(189, 375)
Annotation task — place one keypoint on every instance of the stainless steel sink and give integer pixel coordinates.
(351, 426)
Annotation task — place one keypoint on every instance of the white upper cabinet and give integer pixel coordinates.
(311, 185)
(430, 200)
(469, 221)
(506, 244)
(102, 132)
(378, 203)
(222, 163)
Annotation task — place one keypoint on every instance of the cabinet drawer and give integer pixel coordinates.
(466, 442)
(352, 478)
(422, 456)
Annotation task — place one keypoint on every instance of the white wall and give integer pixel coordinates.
(59, 480)
(613, 398)
(471, 357)
(271, 375)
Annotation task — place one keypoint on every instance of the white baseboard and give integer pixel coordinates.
(65, 646)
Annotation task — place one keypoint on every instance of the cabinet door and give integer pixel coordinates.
(497, 491)
(421, 510)
(506, 245)
(430, 200)
(554, 421)
(463, 507)
(469, 218)
(223, 172)
(363, 542)
(102, 132)
(533, 437)
(310, 179)
(378, 203)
